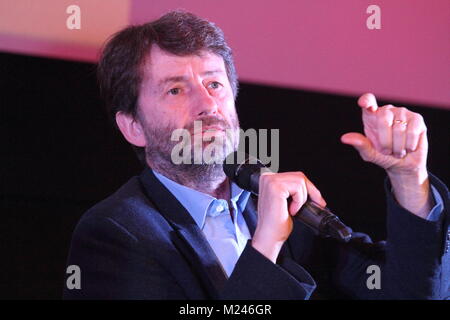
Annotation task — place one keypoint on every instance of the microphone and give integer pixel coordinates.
(322, 221)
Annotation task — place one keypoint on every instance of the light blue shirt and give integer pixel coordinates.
(225, 230)
(436, 213)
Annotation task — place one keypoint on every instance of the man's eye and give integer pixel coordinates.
(215, 85)
(174, 91)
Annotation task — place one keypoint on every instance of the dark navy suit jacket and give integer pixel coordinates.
(141, 243)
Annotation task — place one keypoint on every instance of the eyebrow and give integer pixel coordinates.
(166, 80)
(208, 73)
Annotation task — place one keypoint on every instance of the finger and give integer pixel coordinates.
(416, 127)
(287, 185)
(300, 188)
(266, 173)
(399, 133)
(423, 143)
(263, 181)
(368, 102)
(299, 197)
(360, 143)
(314, 193)
(384, 130)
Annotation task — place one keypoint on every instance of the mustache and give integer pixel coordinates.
(210, 121)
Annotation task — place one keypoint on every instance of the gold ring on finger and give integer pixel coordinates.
(400, 122)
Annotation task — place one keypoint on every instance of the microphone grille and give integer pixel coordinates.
(240, 167)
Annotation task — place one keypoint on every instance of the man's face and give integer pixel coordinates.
(178, 90)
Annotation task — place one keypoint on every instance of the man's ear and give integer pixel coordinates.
(131, 129)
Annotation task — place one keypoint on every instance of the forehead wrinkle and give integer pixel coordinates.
(212, 72)
(185, 78)
(148, 76)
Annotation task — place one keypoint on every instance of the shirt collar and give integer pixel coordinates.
(197, 203)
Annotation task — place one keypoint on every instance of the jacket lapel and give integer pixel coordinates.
(250, 214)
(193, 243)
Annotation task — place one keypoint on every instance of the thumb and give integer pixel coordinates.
(360, 143)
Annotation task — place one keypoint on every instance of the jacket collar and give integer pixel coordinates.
(197, 203)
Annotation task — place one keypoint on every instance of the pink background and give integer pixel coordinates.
(321, 45)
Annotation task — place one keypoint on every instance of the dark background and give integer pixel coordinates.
(59, 156)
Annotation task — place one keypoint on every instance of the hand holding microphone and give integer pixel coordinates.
(282, 195)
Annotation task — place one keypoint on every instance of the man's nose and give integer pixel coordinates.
(206, 104)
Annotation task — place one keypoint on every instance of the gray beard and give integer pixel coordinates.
(197, 176)
(203, 177)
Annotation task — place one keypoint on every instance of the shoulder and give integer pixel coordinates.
(128, 209)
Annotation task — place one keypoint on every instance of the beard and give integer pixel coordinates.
(198, 166)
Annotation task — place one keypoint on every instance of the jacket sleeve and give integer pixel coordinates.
(255, 277)
(413, 263)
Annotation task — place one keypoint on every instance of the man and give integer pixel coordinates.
(184, 231)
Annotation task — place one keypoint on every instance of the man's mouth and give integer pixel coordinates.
(212, 129)
(206, 129)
